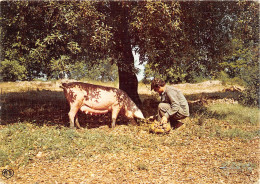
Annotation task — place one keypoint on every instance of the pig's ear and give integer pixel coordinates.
(139, 114)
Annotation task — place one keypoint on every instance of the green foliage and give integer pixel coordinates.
(226, 79)
(12, 70)
(177, 73)
(251, 76)
(182, 41)
(51, 35)
(156, 29)
(13, 67)
(102, 71)
(223, 77)
(214, 37)
(60, 66)
(241, 56)
(243, 63)
(200, 78)
(79, 70)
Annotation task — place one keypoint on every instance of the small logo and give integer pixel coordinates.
(8, 173)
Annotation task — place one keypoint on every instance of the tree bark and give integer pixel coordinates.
(127, 78)
(128, 82)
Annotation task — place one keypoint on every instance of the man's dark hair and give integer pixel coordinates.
(157, 83)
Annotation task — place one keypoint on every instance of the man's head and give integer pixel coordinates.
(158, 85)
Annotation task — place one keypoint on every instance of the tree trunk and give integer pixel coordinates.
(128, 82)
(126, 70)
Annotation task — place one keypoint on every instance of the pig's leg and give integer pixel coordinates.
(115, 112)
(77, 121)
(73, 111)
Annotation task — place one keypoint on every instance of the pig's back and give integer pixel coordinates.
(96, 96)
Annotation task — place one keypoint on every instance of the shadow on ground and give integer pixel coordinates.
(51, 108)
(46, 108)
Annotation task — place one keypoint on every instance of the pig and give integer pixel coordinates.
(95, 99)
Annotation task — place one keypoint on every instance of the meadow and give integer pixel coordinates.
(218, 143)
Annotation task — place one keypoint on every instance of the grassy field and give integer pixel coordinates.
(219, 142)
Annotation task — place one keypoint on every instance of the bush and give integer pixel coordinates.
(12, 70)
(226, 79)
(250, 95)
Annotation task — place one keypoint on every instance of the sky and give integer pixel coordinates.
(141, 67)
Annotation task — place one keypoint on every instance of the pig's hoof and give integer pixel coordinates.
(113, 126)
(80, 129)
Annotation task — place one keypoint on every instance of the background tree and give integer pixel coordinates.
(50, 35)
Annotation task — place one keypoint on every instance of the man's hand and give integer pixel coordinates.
(164, 120)
(151, 118)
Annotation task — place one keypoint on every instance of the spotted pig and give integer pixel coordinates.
(95, 99)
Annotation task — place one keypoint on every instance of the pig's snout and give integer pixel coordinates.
(139, 114)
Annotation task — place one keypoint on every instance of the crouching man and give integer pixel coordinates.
(173, 106)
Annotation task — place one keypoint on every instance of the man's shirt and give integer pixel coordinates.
(176, 100)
